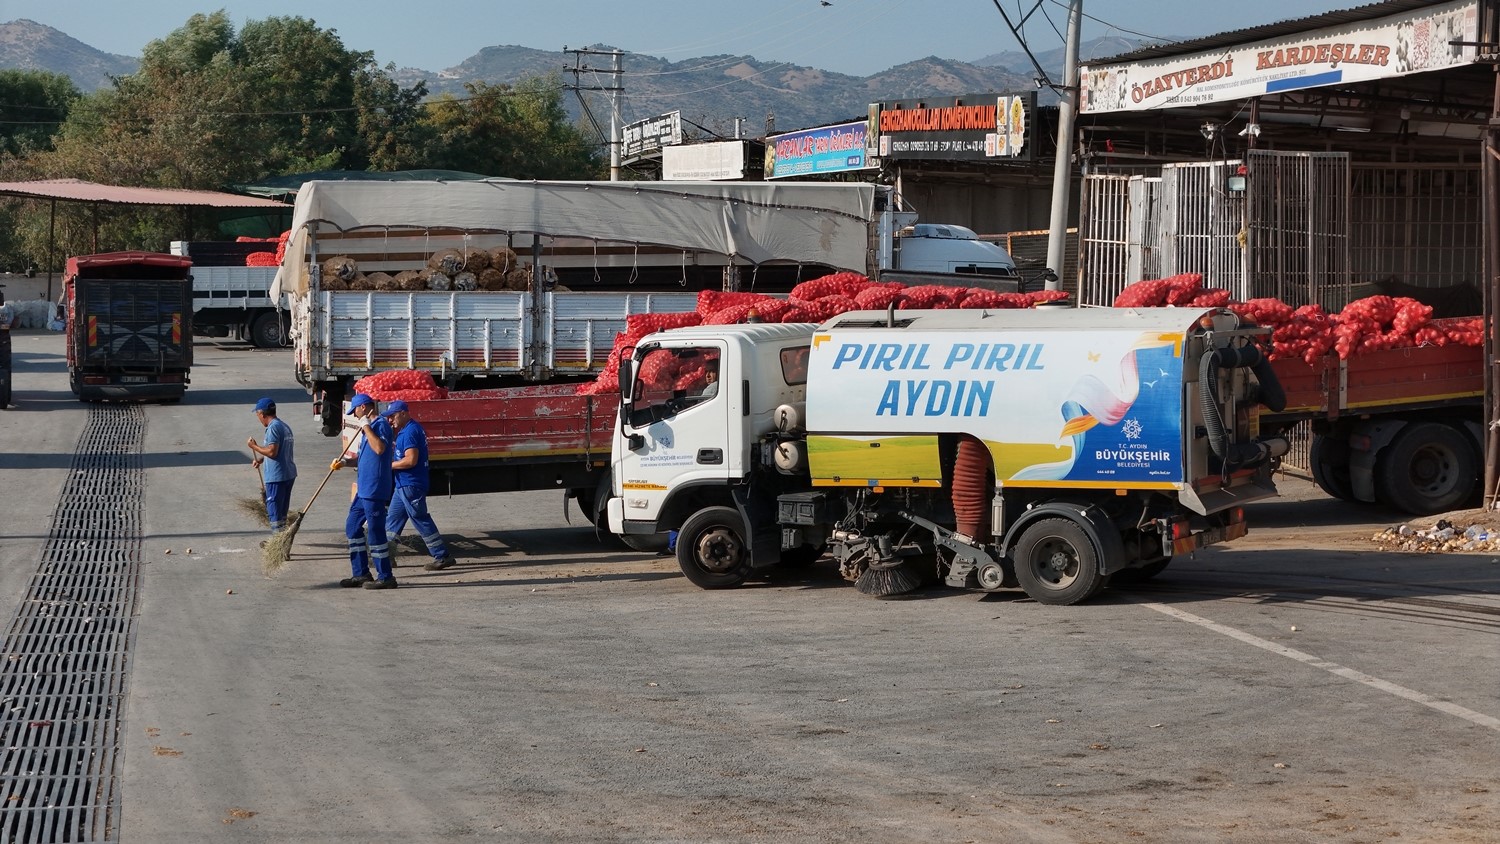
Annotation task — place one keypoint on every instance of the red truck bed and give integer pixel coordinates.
(542, 422)
(1384, 380)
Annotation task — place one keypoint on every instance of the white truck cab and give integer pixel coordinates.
(683, 441)
(941, 248)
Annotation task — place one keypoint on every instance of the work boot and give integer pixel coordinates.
(355, 582)
(439, 565)
(387, 583)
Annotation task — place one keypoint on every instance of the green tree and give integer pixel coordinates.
(521, 132)
(211, 107)
(33, 106)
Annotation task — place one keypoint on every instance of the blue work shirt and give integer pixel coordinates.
(415, 479)
(279, 469)
(375, 469)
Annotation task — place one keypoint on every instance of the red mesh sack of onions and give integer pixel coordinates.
(841, 284)
(643, 324)
(713, 301)
(381, 385)
(1036, 297)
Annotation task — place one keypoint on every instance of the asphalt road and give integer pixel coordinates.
(1297, 685)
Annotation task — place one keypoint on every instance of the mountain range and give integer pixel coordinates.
(711, 92)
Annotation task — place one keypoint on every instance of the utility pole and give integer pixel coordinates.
(615, 91)
(614, 123)
(1062, 172)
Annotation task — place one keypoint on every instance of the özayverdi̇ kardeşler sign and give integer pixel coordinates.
(1107, 410)
(827, 149)
(1411, 42)
(973, 126)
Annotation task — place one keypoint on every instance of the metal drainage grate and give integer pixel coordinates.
(62, 680)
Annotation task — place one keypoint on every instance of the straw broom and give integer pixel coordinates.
(256, 507)
(279, 548)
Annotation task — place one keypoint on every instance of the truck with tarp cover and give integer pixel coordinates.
(500, 283)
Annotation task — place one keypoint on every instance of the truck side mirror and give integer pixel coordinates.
(627, 380)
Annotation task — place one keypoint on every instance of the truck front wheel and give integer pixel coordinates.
(1430, 468)
(711, 548)
(1057, 563)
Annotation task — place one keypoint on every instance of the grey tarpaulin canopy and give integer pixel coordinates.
(77, 190)
(286, 187)
(757, 222)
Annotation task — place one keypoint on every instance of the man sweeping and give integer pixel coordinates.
(274, 459)
(365, 527)
(409, 499)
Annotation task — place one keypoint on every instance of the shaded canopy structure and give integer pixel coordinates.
(78, 190)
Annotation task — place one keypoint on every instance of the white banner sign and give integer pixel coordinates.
(1413, 42)
(714, 161)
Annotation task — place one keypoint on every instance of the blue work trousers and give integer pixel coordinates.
(278, 501)
(407, 504)
(368, 548)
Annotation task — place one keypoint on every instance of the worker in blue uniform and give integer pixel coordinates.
(274, 459)
(409, 499)
(365, 527)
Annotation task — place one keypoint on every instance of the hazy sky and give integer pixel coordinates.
(849, 36)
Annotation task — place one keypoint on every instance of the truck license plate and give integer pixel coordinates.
(132, 379)
(1212, 536)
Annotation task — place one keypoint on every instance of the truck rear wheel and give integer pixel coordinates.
(1057, 563)
(711, 548)
(266, 331)
(1429, 468)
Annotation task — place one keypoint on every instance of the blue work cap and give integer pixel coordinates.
(265, 405)
(394, 408)
(359, 400)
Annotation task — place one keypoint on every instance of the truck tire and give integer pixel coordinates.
(711, 548)
(1429, 468)
(1329, 457)
(266, 331)
(1057, 563)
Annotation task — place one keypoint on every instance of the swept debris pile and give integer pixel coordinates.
(1469, 530)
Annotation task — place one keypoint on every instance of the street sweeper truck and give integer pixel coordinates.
(1049, 449)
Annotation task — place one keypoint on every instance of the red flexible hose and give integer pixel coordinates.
(971, 497)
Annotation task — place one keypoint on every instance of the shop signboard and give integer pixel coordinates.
(827, 149)
(1416, 41)
(983, 127)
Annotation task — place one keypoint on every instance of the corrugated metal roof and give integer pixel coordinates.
(80, 191)
(1263, 32)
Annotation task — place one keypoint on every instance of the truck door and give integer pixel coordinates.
(677, 428)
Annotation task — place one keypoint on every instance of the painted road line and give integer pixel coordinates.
(1386, 686)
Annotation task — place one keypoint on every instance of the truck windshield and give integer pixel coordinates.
(670, 380)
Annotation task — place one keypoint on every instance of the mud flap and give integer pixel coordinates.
(761, 525)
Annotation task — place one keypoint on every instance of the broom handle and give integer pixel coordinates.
(310, 501)
(326, 479)
(260, 473)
